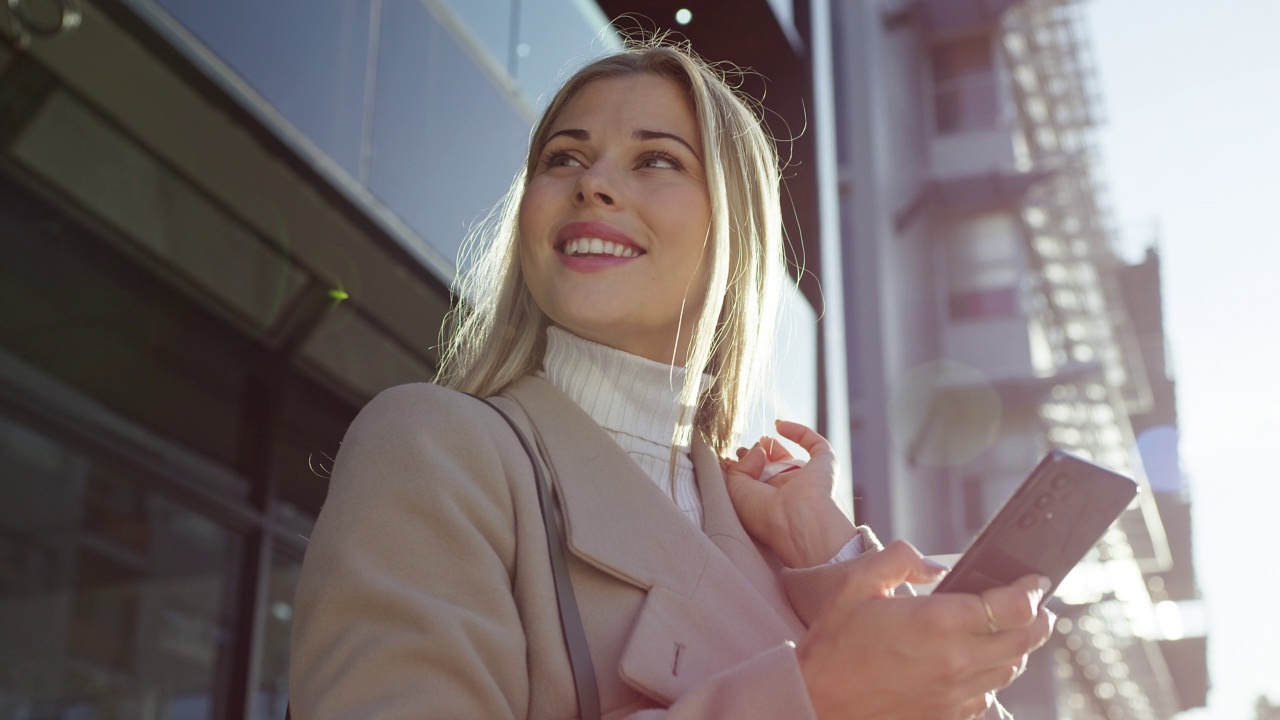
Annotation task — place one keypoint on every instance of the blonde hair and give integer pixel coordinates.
(496, 332)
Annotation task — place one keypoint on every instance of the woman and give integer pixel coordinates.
(642, 240)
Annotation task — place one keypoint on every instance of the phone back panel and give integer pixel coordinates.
(1058, 513)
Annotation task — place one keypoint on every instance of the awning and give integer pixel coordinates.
(969, 193)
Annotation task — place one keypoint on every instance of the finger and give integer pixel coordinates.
(982, 683)
(802, 435)
(990, 680)
(746, 492)
(880, 572)
(741, 451)
(750, 464)
(1011, 647)
(775, 449)
(1012, 606)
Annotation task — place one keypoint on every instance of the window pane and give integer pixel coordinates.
(555, 38)
(308, 58)
(962, 57)
(966, 103)
(965, 90)
(113, 599)
(273, 661)
(489, 21)
(984, 252)
(446, 139)
(307, 435)
(979, 304)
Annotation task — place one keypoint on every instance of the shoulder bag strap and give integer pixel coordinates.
(575, 638)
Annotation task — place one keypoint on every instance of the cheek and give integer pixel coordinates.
(529, 223)
(525, 215)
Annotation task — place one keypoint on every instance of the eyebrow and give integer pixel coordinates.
(583, 135)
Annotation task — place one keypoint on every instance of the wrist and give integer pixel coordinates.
(817, 536)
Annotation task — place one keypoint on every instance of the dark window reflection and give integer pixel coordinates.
(965, 85)
(306, 436)
(273, 660)
(113, 599)
(157, 211)
(87, 316)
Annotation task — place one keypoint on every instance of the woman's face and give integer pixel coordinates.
(615, 219)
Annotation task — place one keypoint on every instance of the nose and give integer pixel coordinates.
(595, 186)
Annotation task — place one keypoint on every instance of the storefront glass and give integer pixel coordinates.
(114, 599)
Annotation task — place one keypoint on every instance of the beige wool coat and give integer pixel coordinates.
(427, 592)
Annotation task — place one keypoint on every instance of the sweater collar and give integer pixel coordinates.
(622, 392)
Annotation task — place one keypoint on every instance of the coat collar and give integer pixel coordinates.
(618, 520)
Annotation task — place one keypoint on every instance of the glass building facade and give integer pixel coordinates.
(223, 227)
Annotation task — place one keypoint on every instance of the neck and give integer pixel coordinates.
(620, 391)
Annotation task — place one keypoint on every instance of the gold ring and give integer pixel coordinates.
(991, 617)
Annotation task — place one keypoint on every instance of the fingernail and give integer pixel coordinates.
(1044, 584)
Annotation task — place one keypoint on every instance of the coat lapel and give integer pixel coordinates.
(712, 601)
(615, 517)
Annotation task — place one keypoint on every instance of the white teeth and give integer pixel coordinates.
(596, 246)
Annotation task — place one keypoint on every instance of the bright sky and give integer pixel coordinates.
(1191, 145)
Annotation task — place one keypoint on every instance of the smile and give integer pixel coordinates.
(579, 247)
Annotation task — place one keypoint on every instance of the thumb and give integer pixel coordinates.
(750, 466)
(743, 483)
(899, 562)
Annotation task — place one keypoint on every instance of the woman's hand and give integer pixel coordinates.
(792, 512)
(873, 655)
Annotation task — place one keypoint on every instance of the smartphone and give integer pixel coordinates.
(1058, 513)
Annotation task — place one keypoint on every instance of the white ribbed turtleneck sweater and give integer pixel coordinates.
(636, 401)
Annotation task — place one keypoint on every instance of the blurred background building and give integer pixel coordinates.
(223, 227)
(990, 319)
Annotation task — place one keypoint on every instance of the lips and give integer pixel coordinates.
(595, 239)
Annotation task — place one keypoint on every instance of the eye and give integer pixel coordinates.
(660, 160)
(559, 158)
